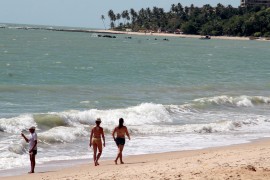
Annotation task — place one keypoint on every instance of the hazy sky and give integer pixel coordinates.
(81, 13)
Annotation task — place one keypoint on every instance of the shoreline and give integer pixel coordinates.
(168, 35)
(242, 161)
(140, 33)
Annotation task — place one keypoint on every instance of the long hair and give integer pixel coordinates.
(121, 123)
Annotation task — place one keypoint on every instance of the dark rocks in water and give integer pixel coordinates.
(109, 36)
(106, 36)
(128, 37)
(165, 39)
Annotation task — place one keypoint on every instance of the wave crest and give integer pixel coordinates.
(16, 124)
(49, 120)
(239, 101)
(62, 134)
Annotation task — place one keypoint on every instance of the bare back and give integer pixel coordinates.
(121, 132)
(97, 132)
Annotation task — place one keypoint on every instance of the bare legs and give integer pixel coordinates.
(95, 155)
(120, 155)
(33, 162)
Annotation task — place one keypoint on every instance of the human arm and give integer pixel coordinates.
(91, 136)
(113, 134)
(25, 138)
(103, 137)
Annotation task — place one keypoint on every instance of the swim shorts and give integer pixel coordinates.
(35, 152)
(120, 141)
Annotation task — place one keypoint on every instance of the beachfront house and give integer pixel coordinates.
(245, 3)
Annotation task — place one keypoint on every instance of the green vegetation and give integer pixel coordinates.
(206, 20)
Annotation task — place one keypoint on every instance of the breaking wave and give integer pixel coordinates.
(62, 134)
(146, 118)
(239, 101)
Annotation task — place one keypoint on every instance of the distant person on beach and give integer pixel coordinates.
(95, 141)
(32, 140)
(120, 131)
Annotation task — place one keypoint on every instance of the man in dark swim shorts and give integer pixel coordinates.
(120, 141)
(121, 131)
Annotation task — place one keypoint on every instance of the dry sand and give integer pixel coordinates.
(245, 161)
(171, 35)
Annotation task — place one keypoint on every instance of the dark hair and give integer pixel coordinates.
(121, 123)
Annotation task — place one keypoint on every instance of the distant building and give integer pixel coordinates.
(255, 3)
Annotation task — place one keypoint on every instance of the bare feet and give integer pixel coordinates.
(30, 172)
(115, 162)
(96, 163)
(122, 162)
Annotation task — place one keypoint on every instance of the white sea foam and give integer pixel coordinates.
(146, 113)
(84, 102)
(16, 124)
(240, 101)
(183, 118)
(62, 134)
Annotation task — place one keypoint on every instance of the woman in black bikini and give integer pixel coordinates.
(120, 131)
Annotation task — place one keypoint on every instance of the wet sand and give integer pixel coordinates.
(245, 161)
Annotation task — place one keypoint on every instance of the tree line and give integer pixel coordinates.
(207, 20)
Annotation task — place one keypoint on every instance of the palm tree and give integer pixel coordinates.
(125, 16)
(141, 17)
(133, 14)
(173, 8)
(118, 17)
(219, 11)
(112, 25)
(112, 17)
(148, 13)
(103, 18)
(180, 9)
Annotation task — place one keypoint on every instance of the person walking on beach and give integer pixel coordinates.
(95, 141)
(32, 140)
(120, 131)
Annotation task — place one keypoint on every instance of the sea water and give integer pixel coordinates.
(174, 95)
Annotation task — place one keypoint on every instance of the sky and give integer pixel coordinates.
(82, 13)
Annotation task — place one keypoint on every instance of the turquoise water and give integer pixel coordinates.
(55, 71)
(215, 90)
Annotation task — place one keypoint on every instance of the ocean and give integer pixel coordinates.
(181, 94)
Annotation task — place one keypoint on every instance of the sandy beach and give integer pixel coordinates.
(245, 161)
(171, 35)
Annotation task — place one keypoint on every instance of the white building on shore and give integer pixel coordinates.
(255, 3)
